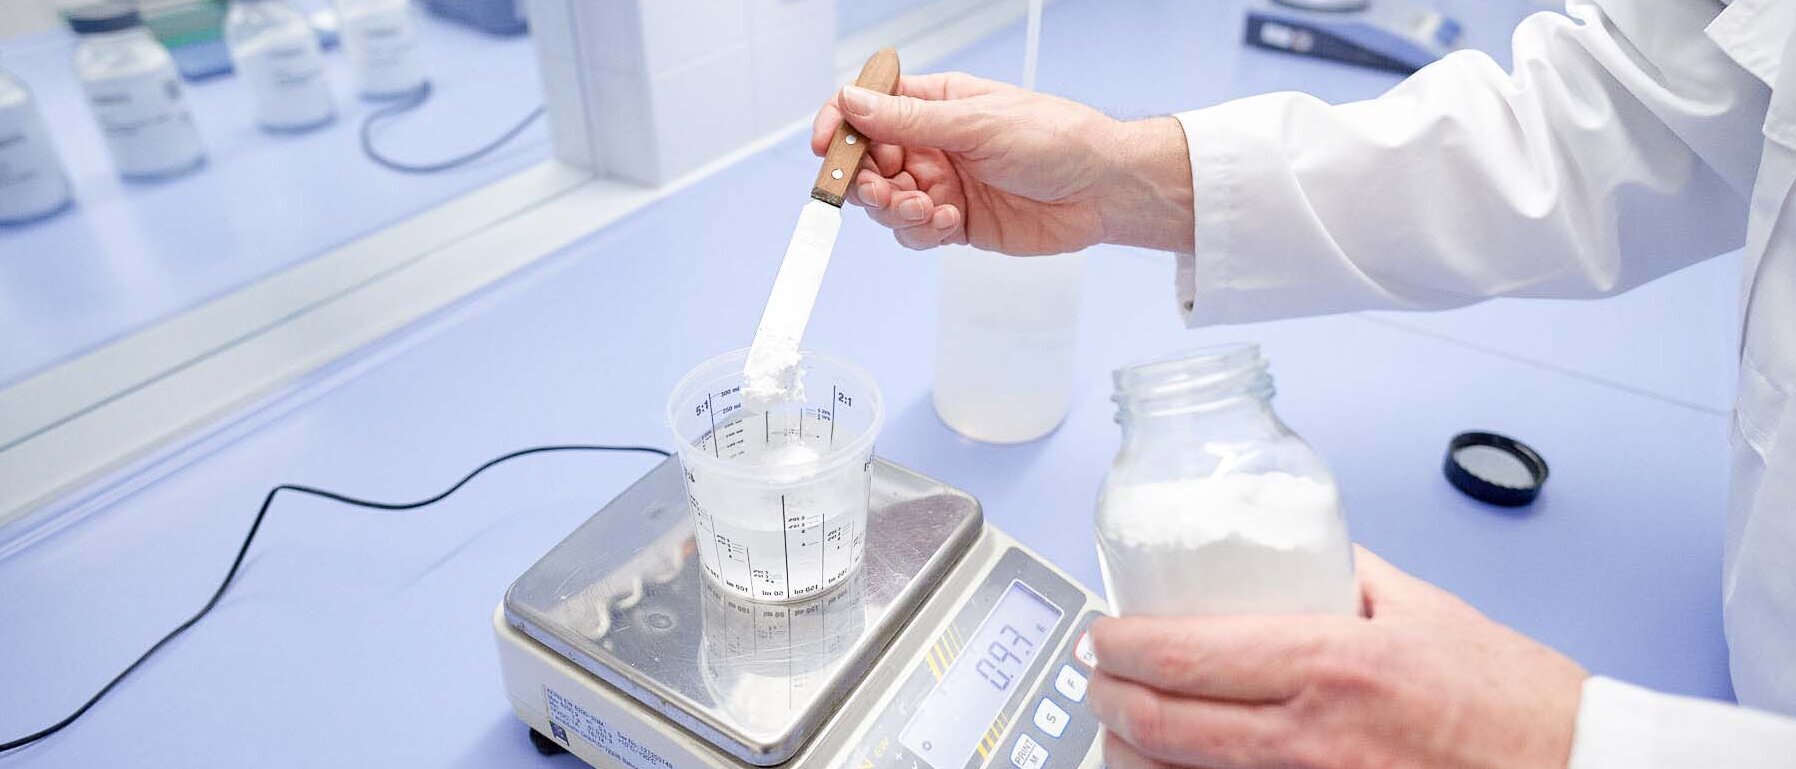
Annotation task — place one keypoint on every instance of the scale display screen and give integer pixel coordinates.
(951, 720)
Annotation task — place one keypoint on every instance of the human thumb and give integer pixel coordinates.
(908, 121)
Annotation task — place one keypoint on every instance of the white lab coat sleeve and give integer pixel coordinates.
(1623, 146)
(1621, 726)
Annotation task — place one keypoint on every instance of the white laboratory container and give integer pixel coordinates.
(1213, 505)
(135, 92)
(32, 182)
(779, 498)
(276, 55)
(381, 42)
(1005, 341)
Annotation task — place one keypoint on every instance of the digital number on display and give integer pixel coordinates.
(1006, 657)
(957, 712)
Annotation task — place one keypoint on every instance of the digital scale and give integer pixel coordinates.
(951, 647)
(1395, 35)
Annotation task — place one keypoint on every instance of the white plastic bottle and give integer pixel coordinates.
(276, 54)
(135, 92)
(1005, 342)
(382, 47)
(32, 182)
(1007, 330)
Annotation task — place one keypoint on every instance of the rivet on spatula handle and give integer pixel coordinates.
(847, 146)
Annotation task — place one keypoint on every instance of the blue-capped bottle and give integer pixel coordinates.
(135, 93)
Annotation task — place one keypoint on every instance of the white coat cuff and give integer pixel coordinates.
(1615, 726)
(1241, 181)
(1213, 187)
(1621, 726)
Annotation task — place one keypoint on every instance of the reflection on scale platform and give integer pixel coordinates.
(760, 659)
(616, 600)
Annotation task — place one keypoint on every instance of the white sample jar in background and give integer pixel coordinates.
(135, 92)
(32, 182)
(1213, 505)
(276, 55)
(779, 498)
(1007, 331)
(382, 47)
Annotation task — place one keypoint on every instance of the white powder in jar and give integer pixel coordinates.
(1269, 543)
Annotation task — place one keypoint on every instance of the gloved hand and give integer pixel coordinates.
(1426, 681)
(958, 159)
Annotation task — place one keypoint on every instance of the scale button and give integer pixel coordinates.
(1050, 718)
(1082, 650)
(1070, 684)
(1028, 754)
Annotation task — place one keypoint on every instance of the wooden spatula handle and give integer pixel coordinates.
(847, 147)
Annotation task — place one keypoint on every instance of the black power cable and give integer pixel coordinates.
(413, 101)
(257, 525)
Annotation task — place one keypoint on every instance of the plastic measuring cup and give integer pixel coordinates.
(779, 498)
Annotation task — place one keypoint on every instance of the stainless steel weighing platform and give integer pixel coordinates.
(953, 647)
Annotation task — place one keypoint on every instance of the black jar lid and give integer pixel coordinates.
(1495, 468)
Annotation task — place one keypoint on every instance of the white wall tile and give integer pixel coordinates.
(775, 16)
(676, 33)
(551, 26)
(624, 125)
(793, 73)
(564, 103)
(610, 33)
(702, 111)
(672, 84)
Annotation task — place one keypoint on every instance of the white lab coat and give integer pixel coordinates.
(1631, 139)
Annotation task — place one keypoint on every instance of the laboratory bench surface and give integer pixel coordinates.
(130, 254)
(361, 638)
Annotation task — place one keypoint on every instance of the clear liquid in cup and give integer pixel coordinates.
(779, 498)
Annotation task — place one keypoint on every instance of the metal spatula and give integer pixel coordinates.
(772, 368)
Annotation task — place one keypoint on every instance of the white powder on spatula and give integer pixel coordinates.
(772, 379)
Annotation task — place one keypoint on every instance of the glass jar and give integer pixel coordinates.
(1213, 505)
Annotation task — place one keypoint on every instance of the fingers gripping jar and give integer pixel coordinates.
(1213, 505)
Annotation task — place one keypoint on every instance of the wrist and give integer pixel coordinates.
(1146, 199)
(1565, 704)
(1538, 728)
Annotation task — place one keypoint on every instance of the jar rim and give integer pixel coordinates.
(1199, 366)
(1193, 379)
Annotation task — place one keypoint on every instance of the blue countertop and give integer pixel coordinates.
(361, 638)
